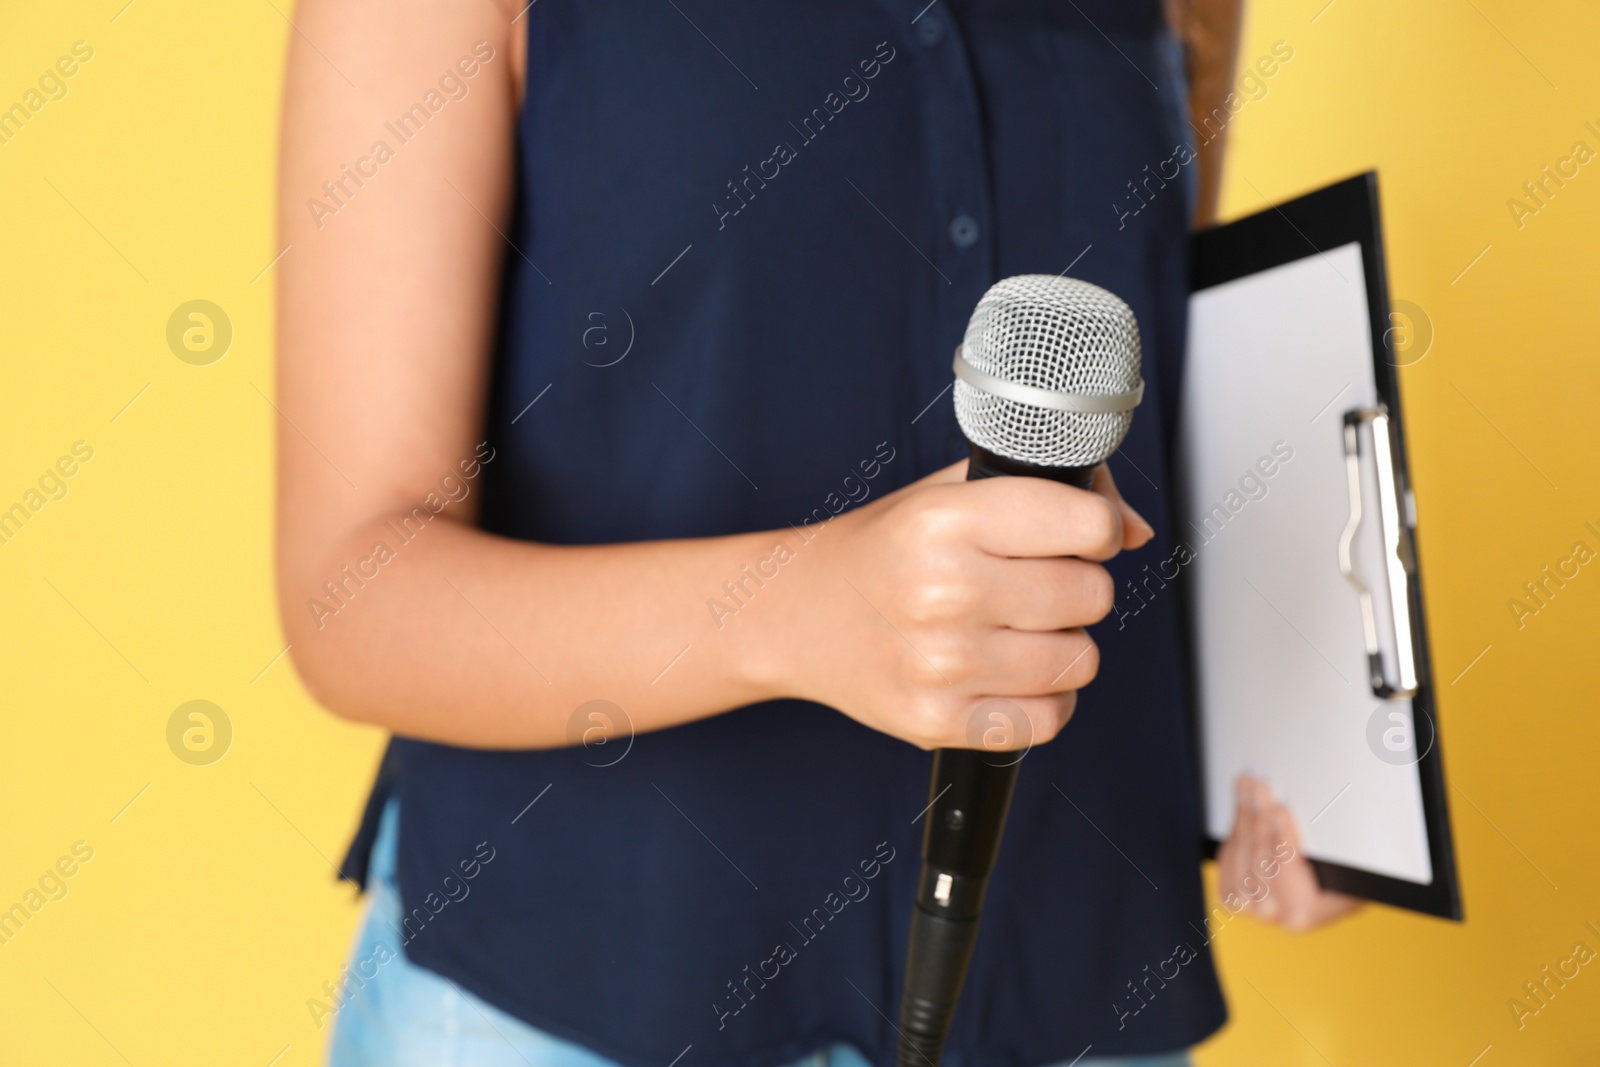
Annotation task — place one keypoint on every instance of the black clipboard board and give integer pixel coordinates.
(1250, 676)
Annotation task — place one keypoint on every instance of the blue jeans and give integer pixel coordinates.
(407, 1016)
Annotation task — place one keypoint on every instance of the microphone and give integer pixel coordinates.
(1047, 378)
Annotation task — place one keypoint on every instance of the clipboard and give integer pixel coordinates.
(1308, 645)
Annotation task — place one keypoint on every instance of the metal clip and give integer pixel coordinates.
(1397, 556)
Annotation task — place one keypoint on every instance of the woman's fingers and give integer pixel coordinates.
(1239, 856)
(1008, 662)
(1262, 862)
(1047, 594)
(1268, 819)
(1249, 832)
(1034, 517)
(1012, 723)
(1136, 532)
(1039, 664)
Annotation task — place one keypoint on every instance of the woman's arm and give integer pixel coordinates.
(905, 613)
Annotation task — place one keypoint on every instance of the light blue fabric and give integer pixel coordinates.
(397, 1014)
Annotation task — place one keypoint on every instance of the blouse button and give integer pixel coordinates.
(964, 231)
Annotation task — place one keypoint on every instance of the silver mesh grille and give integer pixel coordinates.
(1059, 334)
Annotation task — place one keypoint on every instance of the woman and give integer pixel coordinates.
(618, 481)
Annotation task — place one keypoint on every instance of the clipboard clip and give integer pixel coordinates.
(1398, 558)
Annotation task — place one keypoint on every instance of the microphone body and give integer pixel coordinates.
(969, 796)
(1047, 379)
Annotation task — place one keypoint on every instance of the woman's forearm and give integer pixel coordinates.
(459, 636)
(906, 613)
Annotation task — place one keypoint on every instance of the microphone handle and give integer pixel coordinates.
(969, 797)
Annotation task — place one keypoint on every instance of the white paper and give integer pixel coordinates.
(1281, 659)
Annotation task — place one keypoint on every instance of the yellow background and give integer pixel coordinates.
(209, 915)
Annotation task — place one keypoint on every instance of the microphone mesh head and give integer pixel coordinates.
(1053, 333)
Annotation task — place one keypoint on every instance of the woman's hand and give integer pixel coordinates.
(948, 594)
(1262, 864)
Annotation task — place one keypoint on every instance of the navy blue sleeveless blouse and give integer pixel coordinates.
(746, 239)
